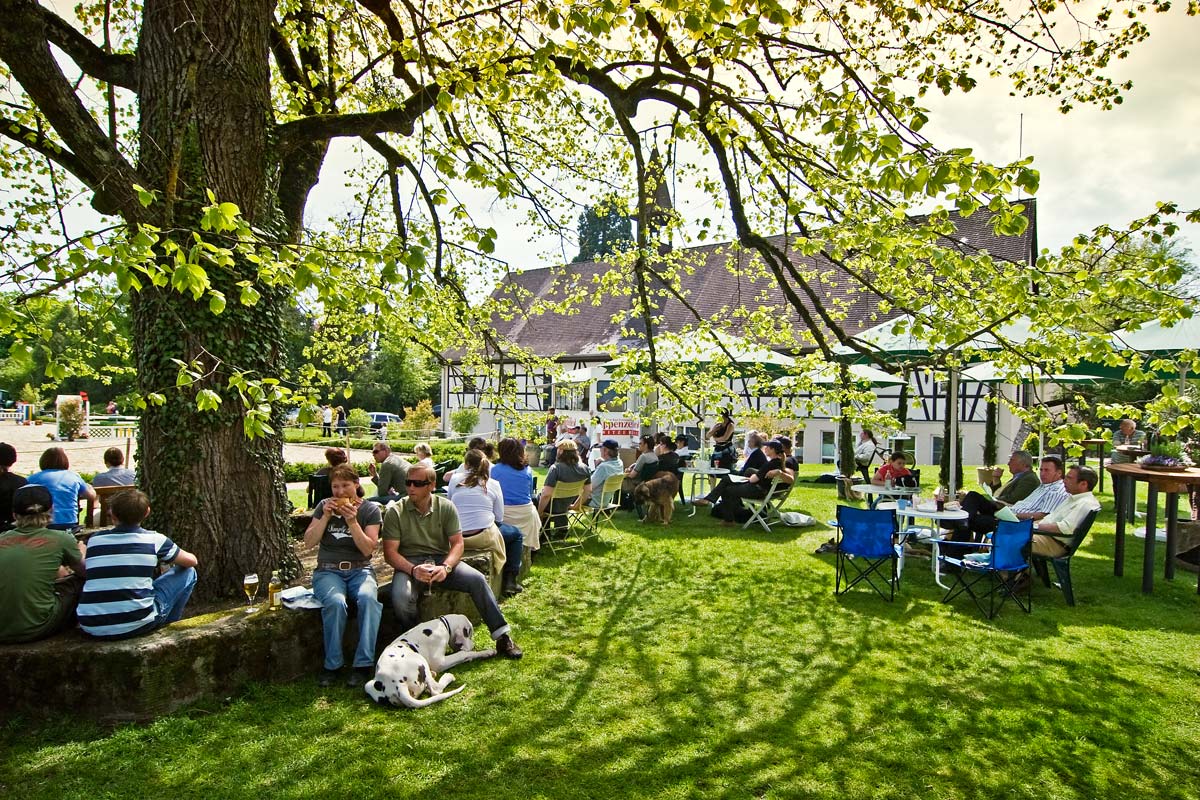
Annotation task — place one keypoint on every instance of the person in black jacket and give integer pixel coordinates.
(756, 485)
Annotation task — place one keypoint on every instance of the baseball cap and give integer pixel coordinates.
(31, 499)
(611, 444)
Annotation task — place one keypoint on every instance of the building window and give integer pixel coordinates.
(828, 447)
(607, 399)
(572, 397)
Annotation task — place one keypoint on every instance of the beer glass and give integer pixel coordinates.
(250, 587)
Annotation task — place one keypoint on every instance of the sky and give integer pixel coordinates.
(1097, 167)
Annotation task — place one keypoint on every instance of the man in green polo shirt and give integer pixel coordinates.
(36, 603)
(423, 542)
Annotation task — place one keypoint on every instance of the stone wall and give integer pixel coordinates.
(202, 657)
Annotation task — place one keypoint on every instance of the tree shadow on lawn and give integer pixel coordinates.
(696, 529)
(732, 687)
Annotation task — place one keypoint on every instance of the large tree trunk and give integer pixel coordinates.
(205, 116)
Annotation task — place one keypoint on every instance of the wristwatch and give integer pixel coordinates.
(448, 567)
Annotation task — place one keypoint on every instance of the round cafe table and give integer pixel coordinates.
(876, 493)
(712, 473)
(1172, 483)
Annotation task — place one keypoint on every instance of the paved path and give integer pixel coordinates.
(87, 455)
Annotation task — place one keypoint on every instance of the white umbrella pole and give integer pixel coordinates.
(953, 443)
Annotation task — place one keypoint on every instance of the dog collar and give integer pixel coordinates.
(449, 632)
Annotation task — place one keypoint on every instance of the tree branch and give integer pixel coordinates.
(37, 141)
(119, 69)
(400, 120)
(25, 49)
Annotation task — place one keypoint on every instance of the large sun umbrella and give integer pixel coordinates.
(991, 372)
(894, 341)
(829, 375)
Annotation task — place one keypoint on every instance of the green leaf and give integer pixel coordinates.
(216, 302)
(207, 400)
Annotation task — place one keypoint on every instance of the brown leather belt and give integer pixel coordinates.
(342, 566)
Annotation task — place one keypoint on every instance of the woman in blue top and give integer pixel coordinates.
(516, 483)
(65, 487)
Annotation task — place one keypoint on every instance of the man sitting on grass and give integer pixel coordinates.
(124, 596)
(1046, 497)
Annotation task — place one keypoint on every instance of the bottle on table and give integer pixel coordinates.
(939, 497)
(274, 592)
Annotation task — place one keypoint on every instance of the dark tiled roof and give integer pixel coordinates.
(723, 278)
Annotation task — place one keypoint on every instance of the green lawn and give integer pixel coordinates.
(700, 661)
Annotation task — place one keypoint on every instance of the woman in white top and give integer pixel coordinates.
(480, 505)
(424, 455)
(864, 452)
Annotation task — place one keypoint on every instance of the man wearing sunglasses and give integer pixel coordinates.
(389, 475)
(423, 541)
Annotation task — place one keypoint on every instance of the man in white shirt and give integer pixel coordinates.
(610, 464)
(1051, 533)
(1047, 497)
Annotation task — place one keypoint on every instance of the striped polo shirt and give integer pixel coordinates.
(118, 595)
(1044, 499)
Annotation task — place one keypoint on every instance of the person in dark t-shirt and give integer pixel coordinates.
(347, 528)
(9, 483)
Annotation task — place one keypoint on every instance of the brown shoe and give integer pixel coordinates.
(506, 647)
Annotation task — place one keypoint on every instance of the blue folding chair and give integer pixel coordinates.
(1001, 571)
(866, 546)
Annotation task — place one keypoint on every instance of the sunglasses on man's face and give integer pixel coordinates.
(417, 483)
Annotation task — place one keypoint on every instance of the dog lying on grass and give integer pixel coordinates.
(657, 495)
(411, 664)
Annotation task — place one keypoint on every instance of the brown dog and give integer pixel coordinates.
(658, 496)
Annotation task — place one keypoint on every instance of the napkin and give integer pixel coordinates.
(299, 597)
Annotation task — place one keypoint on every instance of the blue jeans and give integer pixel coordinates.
(332, 588)
(172, 590)
(406, 595)
(514, 545)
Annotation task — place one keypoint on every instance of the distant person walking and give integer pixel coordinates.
(327, 421)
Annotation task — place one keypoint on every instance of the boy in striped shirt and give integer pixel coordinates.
(124, 596)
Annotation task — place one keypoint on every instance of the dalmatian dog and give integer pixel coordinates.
(411, 664)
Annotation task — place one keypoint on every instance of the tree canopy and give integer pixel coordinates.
(603, 230)
(197, 129)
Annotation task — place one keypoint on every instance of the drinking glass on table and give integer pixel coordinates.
(250, 587)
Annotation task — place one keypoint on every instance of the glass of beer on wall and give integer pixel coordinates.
(250, 587)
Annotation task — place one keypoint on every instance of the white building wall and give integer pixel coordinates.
(926, 411)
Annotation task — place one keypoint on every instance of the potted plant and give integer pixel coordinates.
(1166, 456)
(70, 420)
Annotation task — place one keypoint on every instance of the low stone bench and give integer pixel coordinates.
(208, 656)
